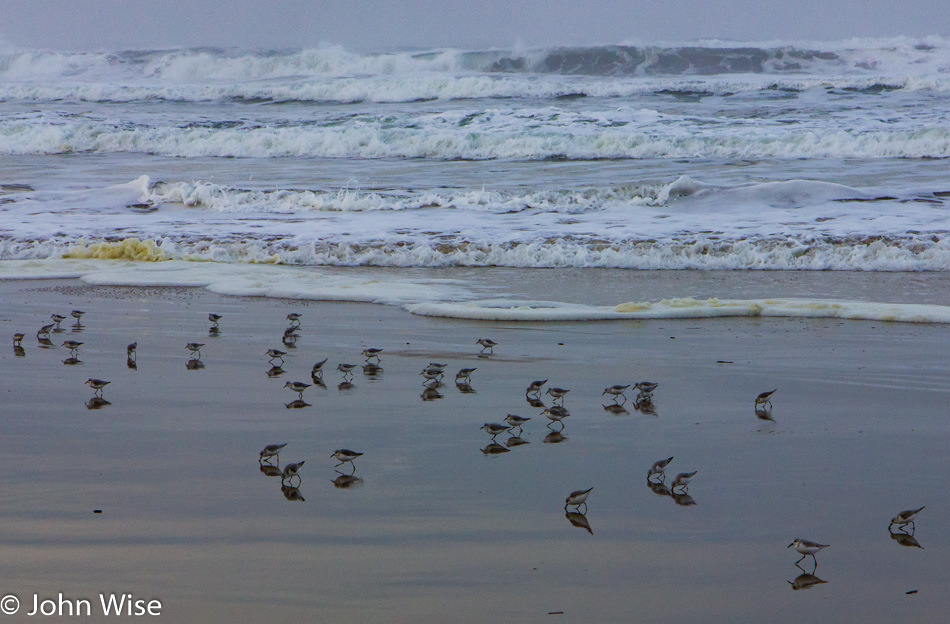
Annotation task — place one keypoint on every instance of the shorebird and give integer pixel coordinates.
(682, 480)
(556, 413)
(294, 317)
(516, 421)
(659, 468)
(72, 345)
(97, 384)
(195, 348)
(432, 374)
(465, 373)
(436, 365)
(487, 343)
(76, 314)
(130, 350)
(275, 354)
(57, 319)
(558, 393)
(298, 387)
(17, 338)
(646, 388)
(291, 471)
(494, 428)
(535, 387)
(577, 498)
(345, 456)
(290, 334)
(214, 318)
(45, 330)
(616, 391)
(904, 518)
(346, 369)
(763, 399)
(317, 370)
(271, 450)
(371, 353)
(806, 548)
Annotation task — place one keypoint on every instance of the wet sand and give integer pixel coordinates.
(435, 530)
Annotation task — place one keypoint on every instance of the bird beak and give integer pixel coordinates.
(790, 545)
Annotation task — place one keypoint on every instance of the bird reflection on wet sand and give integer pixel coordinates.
(431, 394)
(372, 371)
(514, 441)
(645, 407)
(131, 364)
(275, 371)
(346, 481)
(19, 351)
(271, 470)
(805, 581)
(616, 409)
(296, 404)
(764, 414)
(72, 361)
(659, 488)
(535, 402)
(45, 342)
(683, 499)
(96, 402)
(291, 493)
(194, 364)
(555, 437)
(464, 388)
(495, 449)
(345, 386)
(905, 539)
(579, 520)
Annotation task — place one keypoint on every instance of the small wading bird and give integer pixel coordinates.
(487, 343)
(291, 471)
(494, 428)
(763, 399)
(646, 388)
(682, 480)
(57, 319)
(298, 387)
(76, 314)
(195, 348)
(659, 468)
(214, 318)
(294, 317)
(130, 350)
(535, 387)
(806, 548)
(275, 354)
(558, 393)
(516, 421)
(271, 450)
(17, 339)
(345, 456)
(465, 374)
(45, 330)
(346, 369)
(616, 391)
(577, 498)
(905, 517)
(371, 353)
(97, 385)
(72, 345)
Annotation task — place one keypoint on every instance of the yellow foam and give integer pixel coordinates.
(126, 249)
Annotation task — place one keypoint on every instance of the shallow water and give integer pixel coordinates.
(437, 530)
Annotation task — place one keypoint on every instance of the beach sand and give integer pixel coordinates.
(435, 530)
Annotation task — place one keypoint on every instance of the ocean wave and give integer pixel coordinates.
(900, 55)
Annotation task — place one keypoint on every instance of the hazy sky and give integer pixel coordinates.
(379, 25)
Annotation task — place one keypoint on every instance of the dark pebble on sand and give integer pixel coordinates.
(96, 511)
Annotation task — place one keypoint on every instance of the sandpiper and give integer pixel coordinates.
(290, 334)
(130, 350)
(214, 318)
(763, 399)
(371, 353)
(682, 480)
(76, 314)
(346, 369)
(72, 345)
(97, 384)
(436, 365)
(294, 317)
(535, 387)
(272, 450)
(616, 391)
(195, 348)
(432, 374)
(578, 498)
(298, 387)
(57, 319)
(516, 421)
(659, 468)
(465, 373)
(905, 517)
(275, 354)
(558, 393)
(317, 370)
(806, 548)
(487, 343)
(345, 455)
(291, 471)
(646, 388)
(17, 339)
(556, 413)
(45, 330)
(494, 428)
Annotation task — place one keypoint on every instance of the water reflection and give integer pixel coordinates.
(346, 481)
(514, 441)
(683, 499)
(535, 402)
(431, 393)
(72, 361)
(464, 388)
(645, 407)
(617, 409)
(291, 493)
(578, 520)
(131, 363)
(905, 539)
(345, 386)
(555, 437)
(19, 351)
(494, 448)
(764, 414)
(296, 404)
(194, 364)
(805, 581)
(372, 371)
(659, 488)
(96, 403)
(45, 342)
(270, 470)
(276, 371)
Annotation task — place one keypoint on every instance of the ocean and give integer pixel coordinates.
(786, 156)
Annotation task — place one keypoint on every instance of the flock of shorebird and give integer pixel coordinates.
(433, 375)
